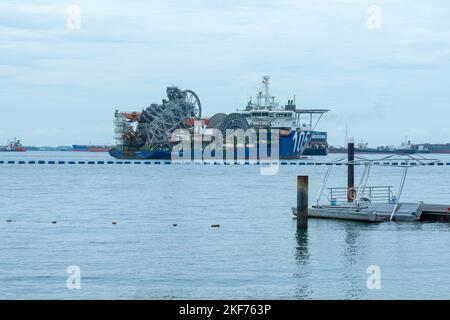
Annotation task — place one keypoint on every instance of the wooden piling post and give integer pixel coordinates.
(302, 202)
(351, 171)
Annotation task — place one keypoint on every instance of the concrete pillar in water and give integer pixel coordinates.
(302, 202)
(351, 172)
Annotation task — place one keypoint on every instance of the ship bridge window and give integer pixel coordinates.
(283, 115)
(260, 114)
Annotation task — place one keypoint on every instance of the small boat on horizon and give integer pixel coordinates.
(13, 146)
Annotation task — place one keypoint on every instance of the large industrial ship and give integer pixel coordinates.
(147, 134)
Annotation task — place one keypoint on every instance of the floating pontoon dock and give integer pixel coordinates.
(374, 203)
(378, 212)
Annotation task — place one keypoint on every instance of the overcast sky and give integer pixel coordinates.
(60, 85)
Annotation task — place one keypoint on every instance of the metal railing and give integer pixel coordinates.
(374, 194)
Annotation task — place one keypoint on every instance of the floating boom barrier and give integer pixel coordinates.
(205, 162)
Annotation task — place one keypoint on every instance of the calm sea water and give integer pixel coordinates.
(256, 253)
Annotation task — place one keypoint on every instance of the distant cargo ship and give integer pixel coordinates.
(89, 148)
(434, 148)
(405, 148)
(13, 146)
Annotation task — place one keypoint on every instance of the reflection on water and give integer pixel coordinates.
(301, 252)
(303, 290)
(352, 275)
(351, 242)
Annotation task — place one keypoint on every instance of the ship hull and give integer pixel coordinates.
(17, 150)
(98, 149)
(315, 152)
(89, 148)
(140, 154)
(291, 147)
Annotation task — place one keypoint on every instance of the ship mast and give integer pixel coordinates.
(266, 89)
